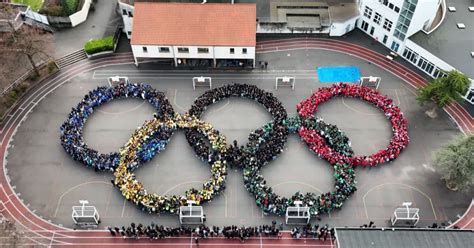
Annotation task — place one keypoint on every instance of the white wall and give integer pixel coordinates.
(127, 21)
(223, 52)
(425, 11)
(153, 52)
(193, 52)
(80, 16)
(219, 52)
(386, 13)
(340, 28)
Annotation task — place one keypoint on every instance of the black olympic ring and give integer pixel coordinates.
(264, 145)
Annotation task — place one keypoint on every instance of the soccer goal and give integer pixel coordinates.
(191, 214)
(405, 215)
(114, 81)
(202, 82)
(371, 82)
(285, 82)
(85, 216)
(297, 215)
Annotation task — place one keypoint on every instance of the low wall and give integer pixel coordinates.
(80, 16)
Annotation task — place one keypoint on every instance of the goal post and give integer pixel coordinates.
(191, 214)
(297, 215)
(202, 82)
(85, 215)
(371, 82)
(405, 215)
(114, 81)
(285, 81)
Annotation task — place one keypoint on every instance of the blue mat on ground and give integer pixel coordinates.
(347, 74)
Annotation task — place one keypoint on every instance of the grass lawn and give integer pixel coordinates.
(35, 5)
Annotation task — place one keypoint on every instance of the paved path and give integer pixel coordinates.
(45, 233)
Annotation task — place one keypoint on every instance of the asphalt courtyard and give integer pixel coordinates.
(50, 182)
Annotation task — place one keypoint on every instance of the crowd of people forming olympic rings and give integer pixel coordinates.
(263, 146)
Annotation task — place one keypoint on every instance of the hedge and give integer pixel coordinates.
(69, 6)
(99, 45)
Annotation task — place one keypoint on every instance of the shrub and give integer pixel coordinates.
(51, 66)
(52, 10)
(69, 6)
(99, 45)
(34, 76)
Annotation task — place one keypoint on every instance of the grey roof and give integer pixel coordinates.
(449, 43)
(403, 238)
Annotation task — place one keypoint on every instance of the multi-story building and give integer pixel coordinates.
(424, 33)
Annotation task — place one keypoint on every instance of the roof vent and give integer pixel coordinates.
(452, 9)
(461, 25)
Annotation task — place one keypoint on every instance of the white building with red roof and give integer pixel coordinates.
(190, 34)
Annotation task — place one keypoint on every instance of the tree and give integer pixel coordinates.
(444, 90)
(26, 41)
(11, 236)
(456, 163)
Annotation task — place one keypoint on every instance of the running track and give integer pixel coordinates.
(42, 232)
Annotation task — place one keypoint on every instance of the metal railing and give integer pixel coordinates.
(22, 78)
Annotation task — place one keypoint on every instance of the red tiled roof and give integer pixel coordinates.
(194, 24)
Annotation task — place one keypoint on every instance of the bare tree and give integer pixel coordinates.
(26, 41)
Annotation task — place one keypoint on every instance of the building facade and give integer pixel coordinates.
(189, 34)
(403, 26)
(397, 24)
(392, 22)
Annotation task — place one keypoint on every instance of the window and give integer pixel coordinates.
(244, 50)
(232, 51)
(368, 12)
(124, 12)
(385, 38)
(410, 55)
(387, 25)
(130, 14)
(183, 50)
(129, 33)
(372, 29)
(390, 5)
(399, 34)
(377, 18)
(385, 2)
(397, 9)
(364, 26)
(145, 50)
(395, 46)
(430, 68)
(203, 50)
(164, 49)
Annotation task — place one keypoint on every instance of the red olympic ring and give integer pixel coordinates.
(308, 107)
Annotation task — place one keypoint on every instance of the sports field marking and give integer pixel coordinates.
(402, 185)
(73, 188)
